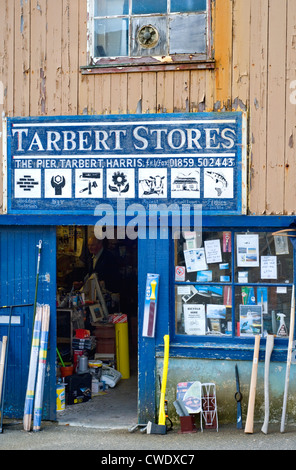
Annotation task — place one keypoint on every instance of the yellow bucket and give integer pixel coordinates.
(60, 397)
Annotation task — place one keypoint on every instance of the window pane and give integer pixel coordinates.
(262, 310)
(188, 5)
(206, 260)
(148, 36)
(111, 37)
(142, 7)
(111, 7)
(203, 310)
(262, 257)
(188, 34)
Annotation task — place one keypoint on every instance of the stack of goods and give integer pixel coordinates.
(83, 341)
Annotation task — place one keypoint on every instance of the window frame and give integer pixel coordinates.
(228, 346)
(184, 61)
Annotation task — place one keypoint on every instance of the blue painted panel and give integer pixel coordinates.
(143, 7)
(69, 165)
(188, 5)
(218, 222)
(18, 264)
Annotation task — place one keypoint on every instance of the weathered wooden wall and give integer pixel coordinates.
(44, 42)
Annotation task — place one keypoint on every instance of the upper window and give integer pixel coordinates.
(139, 28)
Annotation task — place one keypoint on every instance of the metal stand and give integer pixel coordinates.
(209, 405)
(6, 357)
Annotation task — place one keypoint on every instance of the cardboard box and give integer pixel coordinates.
(119, 318)
(105, 345)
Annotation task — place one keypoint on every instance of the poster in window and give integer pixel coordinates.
(213, 251)
(180, 274)
(226, 242)
(268, 267)
(250, 320)
(195, 260)
(216, 318)
(262, 298)
(281, 245)
(204, 276)
(247, 250)
(194, 319)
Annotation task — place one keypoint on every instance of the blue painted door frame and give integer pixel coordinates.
(18, 266)
(155, 259)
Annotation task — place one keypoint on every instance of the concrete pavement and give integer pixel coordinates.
(54, 436)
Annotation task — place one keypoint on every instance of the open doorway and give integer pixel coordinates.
(97, 329)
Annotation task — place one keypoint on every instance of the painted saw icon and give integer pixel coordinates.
(219, 180)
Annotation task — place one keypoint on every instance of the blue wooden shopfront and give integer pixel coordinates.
(52, 165)
(18, 265)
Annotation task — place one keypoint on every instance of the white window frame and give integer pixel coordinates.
(177, 58)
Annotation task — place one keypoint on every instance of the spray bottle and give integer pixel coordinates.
(282, 330)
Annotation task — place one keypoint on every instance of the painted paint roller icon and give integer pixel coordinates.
(88, 177)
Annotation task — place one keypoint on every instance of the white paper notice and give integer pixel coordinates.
(281, 290)
(194, 319)
(195, 260)
(268, 267)
(213, 251)
(247, 250)
(183, 290)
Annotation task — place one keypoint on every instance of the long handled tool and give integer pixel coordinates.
(2, 362)
(268, 351)
(39, 246)
(289, 359)
(162, 416)
(6, 357)
(238, 397)
(160, 428)
(60, 357)
(167, 418)
(252, 394)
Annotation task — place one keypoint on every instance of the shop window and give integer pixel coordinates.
(136, 28)
(233, 284)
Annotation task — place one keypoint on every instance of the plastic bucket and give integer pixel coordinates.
(60, 397)
(67, 370)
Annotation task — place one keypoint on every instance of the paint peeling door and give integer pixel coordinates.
(18, 266)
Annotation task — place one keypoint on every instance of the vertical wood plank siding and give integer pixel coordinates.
(44, 42)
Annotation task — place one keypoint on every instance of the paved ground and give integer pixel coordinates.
(114, 442)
